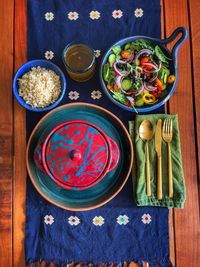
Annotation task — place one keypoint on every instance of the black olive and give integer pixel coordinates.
(121, 66)
(155, 84)
(144, 76)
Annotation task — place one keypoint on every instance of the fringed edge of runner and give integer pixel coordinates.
(44, 263)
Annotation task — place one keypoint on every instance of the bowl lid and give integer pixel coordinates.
(76, 154)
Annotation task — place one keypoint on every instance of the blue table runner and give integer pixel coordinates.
(119, 231)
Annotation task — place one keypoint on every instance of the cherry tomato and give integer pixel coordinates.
(128, 105)
(126, 54)
(147, 67)
(115, 87)
(159, 83)
(144, 60)
(156, 93)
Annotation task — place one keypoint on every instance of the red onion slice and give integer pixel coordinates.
(126, 92)
(118, 80)
(141, 90)
(149, 87)
(131, 99)
(120, 61)
(131, 57)
(156, 68)
(117, 72)
(143, 51)
(153, 78)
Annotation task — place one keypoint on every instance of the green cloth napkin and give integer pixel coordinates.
(139, 168)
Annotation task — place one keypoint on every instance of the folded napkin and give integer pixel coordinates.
(139, 170)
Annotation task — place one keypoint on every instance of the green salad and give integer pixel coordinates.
(137, 73)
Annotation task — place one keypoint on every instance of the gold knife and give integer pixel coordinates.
(158, 147)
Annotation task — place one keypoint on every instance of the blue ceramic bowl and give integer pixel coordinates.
(27, 67)
(172, 67)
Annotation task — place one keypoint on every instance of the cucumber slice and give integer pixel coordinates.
(165, 78)
(116, 49)
(162, 75)
(126, 84)
(137, 62)
(112, 59)
(139, 102)
(127, 46)
(118, 57)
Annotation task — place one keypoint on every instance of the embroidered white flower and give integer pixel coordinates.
(95, 15)
(98, 220)
(117, 14)
(49, 16)
(49, 219)
(146, 218)
(122, 219)
(96, 94)
(49, 55)
(138, 12)
(73, 15)
(97, 53)
(73, 220)
(73, 95)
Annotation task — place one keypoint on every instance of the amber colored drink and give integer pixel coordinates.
(79, 60)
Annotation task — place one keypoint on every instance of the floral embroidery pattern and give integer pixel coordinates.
(73, 15)
(138, 12)
(73, 95)
(49, 16)
(96, 94)
(73, 220)
(48, 219)
(98, 221)
(95, 15)
(122, 219)
(49, 55)
(97, 53)
(117, 14)
(146, 218)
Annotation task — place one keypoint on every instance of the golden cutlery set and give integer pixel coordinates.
(162, 132)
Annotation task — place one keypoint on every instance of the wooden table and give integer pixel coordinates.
(184, 224)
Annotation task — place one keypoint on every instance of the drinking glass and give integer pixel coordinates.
(79, 60)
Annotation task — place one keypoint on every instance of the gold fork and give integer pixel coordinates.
(167, 133)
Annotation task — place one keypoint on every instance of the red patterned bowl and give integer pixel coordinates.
(77, 154)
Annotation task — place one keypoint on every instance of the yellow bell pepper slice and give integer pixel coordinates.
(148, 98)
(171, 79)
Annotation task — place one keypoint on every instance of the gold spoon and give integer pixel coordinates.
(146, 134)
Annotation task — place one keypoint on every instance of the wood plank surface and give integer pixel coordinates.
(194, 12)
(6, 130)
(171, 212)
(19, 142)
(184, 224)
(186, 220)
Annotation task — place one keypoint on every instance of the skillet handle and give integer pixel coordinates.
(184, 34)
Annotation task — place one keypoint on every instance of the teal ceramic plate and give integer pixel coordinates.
(109, 186)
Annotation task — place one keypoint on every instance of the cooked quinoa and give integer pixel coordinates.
(39, 87)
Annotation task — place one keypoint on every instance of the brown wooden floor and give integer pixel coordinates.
(184, 224)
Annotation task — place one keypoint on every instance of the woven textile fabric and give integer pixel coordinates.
(118, 231)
